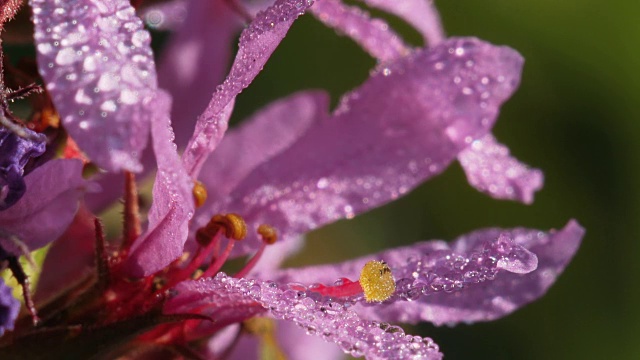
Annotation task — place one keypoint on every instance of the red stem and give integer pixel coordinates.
(220, 260)
(251, 263)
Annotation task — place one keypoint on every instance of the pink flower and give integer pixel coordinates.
(294, 166)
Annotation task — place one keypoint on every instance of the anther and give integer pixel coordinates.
(199, 193)
(233, 224)
(377, 281)
(268, 234)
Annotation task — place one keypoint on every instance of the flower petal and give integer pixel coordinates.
(491, 170)
(60, 271)
(47, 208)
(9, 306)
(373, 35)
(15, 152)
(400, 128)
(293, 341)
(258, 139)
(331, 320)
(173, 204)
(419, 13)
(196, 60)
(264, 135)
(491, 277)
(98, 67)
(227, 306)
(257, 43)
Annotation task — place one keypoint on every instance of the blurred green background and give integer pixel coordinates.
(575, 116)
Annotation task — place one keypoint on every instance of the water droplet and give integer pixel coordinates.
(89, 64)
(66, 56)
(322, 183)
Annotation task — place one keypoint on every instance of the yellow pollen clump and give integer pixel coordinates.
(268, 234)
(233, 224)
(377, 281)
(199, 193)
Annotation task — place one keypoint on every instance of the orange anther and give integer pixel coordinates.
(268, 234)
(199, 193)
(233, 224)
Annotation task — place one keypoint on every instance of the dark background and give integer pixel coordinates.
(575, 116)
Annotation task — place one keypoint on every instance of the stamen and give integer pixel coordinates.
(208, 237)
(233, 225)
(377, 281)
(201, 255)
(217, 265)
(132, 228)
(206, 234)
(199, 193)
(269, 236)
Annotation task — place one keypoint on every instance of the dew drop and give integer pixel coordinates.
(66, 56)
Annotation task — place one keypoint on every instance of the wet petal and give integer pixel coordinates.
(491, 170)
(60, 272)
(15, 152)
(206, 297)
(257, 43)
(293, 341)
(196, 60)
(479, 277)
(98, 67)
(331, 320)
(373, 35)
(9, 307)
(49, 205)
(172, 206)
(419, 13)
(259, 138)
(401, 127)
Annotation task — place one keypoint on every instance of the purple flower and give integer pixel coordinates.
(16, 151)
(46, 209)
(9, 306)
(294, 166)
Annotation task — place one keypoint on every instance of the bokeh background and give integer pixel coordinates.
(576, 116)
